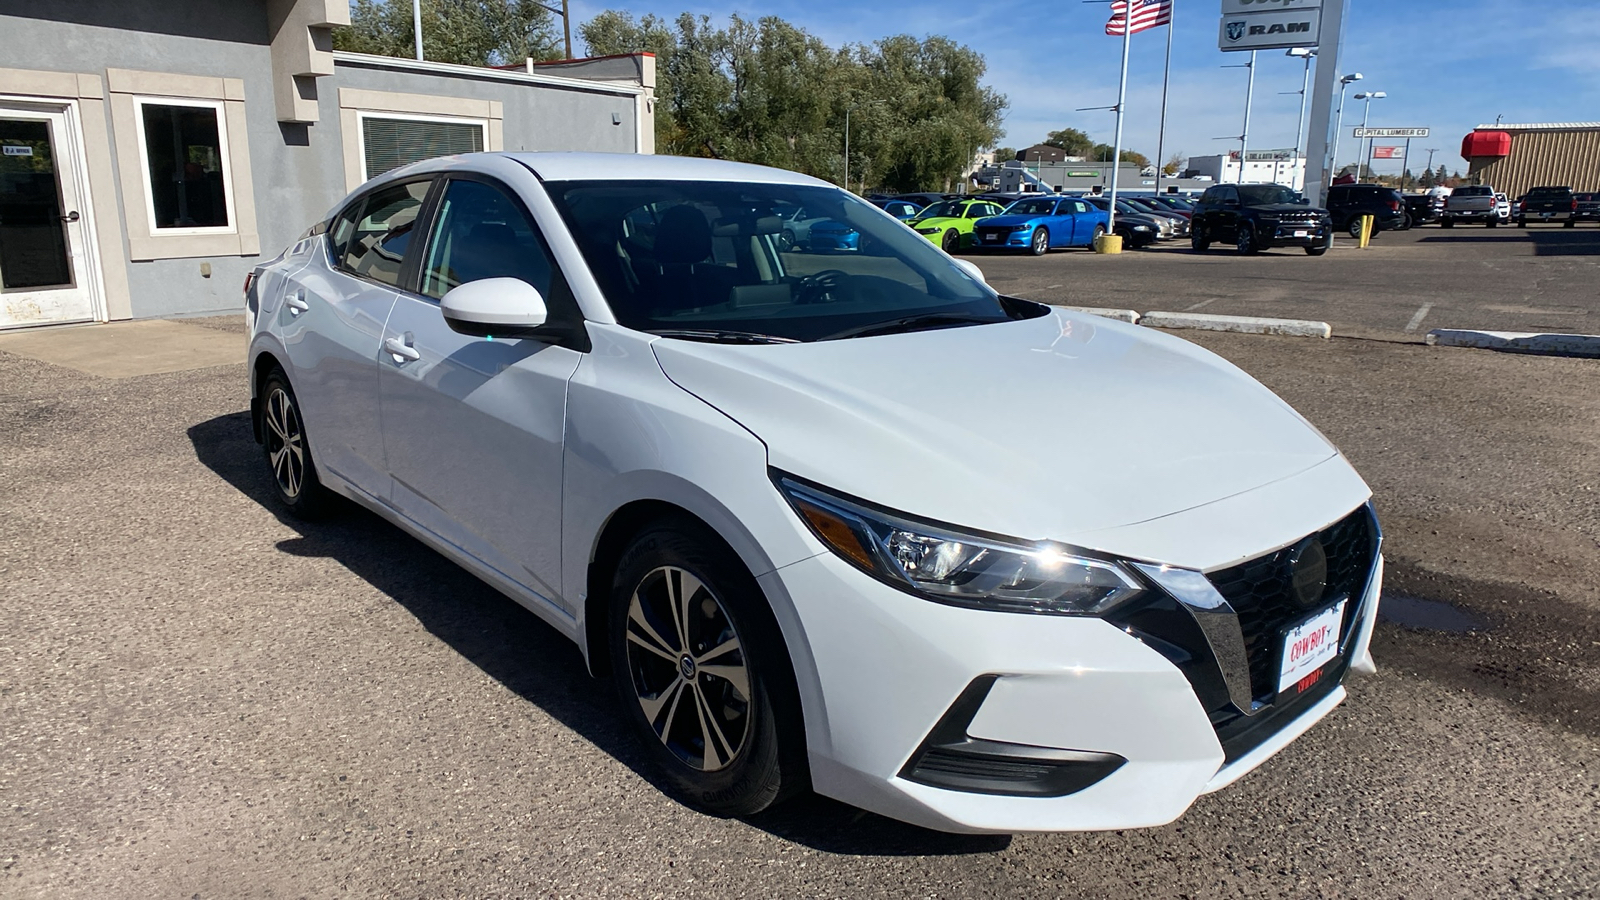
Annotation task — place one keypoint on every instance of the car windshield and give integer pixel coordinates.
(715, 260)
(1263, 194)
(1041, 206)
(1473, 192)
(950, 209)
(1540, 193)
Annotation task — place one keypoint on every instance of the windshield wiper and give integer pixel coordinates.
(721, 336)
(911, 323)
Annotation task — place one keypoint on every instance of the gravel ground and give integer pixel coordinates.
(199, 698)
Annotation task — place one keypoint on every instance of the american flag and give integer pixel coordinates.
(1146, 14)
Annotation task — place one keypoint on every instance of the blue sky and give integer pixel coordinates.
(1445, 64)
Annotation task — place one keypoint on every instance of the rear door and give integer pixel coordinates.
(473, 426)
(331, 321)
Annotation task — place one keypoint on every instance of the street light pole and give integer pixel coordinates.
(416, 24)
(1244, 138)
(1338, 127)
(1368, 96)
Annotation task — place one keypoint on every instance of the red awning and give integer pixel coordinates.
(1486, 144)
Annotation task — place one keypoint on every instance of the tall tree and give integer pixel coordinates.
(470, 32)
(769, 92)
(1073, 141)
(1173, 164)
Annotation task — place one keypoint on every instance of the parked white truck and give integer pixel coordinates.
(1470, 203)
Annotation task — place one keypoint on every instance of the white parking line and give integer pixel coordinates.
(1202, 303)
(1054, 286)
(1416, 320)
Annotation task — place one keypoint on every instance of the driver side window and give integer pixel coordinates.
(481, 232)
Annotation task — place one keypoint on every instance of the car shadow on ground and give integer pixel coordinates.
(530, 658)
(1546, 240)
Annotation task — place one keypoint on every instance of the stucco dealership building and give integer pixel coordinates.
(153, 151)
(1514, 158)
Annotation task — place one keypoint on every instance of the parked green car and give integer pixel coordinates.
(949, 222)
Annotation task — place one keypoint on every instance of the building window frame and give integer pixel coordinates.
(362, 115)
(129, 91)
(223, 150)
(354, 103)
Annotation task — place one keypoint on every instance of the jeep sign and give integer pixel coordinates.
(1269, 30)
(1234, 7)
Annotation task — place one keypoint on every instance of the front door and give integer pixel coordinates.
(44, 277)
(473, 427)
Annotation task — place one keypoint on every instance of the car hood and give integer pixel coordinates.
(1052, 427)
(1276, 208)
(936, 222)
(1010, 220)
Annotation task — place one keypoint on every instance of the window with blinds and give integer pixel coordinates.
(390, 143)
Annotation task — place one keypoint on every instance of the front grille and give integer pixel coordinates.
(1260, 592)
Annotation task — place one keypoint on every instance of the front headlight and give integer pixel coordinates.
(976, 571)
(1141, 228)
(929, 230)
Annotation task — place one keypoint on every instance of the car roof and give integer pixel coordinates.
(563, 166)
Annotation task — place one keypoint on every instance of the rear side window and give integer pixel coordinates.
(376, 246)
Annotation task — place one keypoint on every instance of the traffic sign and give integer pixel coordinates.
(1391, 132)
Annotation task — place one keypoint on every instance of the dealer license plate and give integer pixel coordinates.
(1308, 646)
(991, 237)
(1544, 215)
(1299, 234)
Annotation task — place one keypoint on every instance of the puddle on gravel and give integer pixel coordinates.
(1433, 615)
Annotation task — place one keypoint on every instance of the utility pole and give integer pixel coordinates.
(1244, 139)
(416, 24)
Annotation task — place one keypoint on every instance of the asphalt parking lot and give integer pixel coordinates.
(202, 698)
(1539, 279)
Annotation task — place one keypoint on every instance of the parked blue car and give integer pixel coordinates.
(830, 234)
(904, 210)
(1040, 223)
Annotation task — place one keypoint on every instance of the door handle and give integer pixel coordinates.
(402, 351)
(297, 303)
(70, 217)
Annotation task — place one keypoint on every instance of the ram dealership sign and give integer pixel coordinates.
(1269, 30)
(1234, 7)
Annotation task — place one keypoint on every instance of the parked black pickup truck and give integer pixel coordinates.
(1549, 204)
(1588, 207)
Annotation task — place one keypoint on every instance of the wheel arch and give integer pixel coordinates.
(260, 367)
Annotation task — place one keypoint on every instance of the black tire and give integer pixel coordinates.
(1355, 228)
(1447, 223)
(1245, 243)
(1198, 242)
(288, 452)
(787, 242)
(1570, 224)
(720, 775)
(951, 241)
(1099, 232)
(1406, 224)
(1321, 248)
(1490, 222)
(1040, 243)
(1522, 223)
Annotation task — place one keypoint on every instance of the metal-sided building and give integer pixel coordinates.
(1515, 158)
(153, 151)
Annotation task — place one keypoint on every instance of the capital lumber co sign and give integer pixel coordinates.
(1391, 132)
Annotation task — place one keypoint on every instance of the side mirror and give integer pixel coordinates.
(501, 307)
(970, 268)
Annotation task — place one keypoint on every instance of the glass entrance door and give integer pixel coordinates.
(41, 231)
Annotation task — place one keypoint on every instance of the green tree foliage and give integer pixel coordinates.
(1073, 141)
(1102, 153)
(1002, 154)
(768, 92)
(470, 32)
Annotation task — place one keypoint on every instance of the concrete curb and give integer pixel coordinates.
(1241, 324)
(1121, 315)
(1586, 346)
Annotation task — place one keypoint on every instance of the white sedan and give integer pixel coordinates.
(853, 523)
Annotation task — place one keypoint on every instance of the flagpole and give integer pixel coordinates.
(1161, 136)
(1122, 101)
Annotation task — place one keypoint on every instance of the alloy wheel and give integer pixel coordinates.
(688, 668)
(1041, 241)
(286, 448)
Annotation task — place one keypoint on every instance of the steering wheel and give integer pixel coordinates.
(825, 284)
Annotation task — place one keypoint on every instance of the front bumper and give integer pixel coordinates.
(1294, 234)
(891, 667)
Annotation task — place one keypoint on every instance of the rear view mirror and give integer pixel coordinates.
(499, 307)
